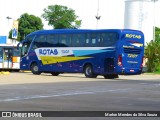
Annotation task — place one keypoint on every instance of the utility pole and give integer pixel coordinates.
(98, 17)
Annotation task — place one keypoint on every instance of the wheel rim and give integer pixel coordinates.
(35, 68)
(88, 71)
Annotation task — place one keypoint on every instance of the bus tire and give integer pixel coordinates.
(55, 73)
(110, 76)
(34, 69)
(88, 71)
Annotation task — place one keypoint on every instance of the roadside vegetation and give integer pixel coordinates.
(59, 17)
(152, 53)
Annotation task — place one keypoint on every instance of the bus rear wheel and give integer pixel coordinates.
(55, 73)
(35, 69)
(110, 76)
(88, 71)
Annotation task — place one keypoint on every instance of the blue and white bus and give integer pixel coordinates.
(106, 52)
(9, 58)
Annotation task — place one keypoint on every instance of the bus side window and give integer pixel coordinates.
(78, 40)
(65, 40)
(103, 39)
(108, 39)
(98, 41)
(52, 40)
(113, 38)
(92, 40)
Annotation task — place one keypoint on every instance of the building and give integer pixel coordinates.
(5, 40)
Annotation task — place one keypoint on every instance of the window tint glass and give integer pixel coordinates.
(16, 52)
(78, 40)
(92, 40)
(52, 40)
(30, 38)
(25, 48)
(108, 39)
(65, 40)
(40, 41)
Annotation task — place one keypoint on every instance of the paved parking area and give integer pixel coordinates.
(28, 77)
(75, 92)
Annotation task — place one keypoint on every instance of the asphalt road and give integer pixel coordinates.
(74, 92)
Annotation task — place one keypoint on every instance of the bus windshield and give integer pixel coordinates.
(26, 44)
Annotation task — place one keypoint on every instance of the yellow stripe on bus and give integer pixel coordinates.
(52, 60)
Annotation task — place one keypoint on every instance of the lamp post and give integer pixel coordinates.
(9, 18)
(97, 16)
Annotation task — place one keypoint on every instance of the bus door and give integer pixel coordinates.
(109, 65)
(16, 58)
(7, 57)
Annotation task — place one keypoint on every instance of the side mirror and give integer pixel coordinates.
(18, 45)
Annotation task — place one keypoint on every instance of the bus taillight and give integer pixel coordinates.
(120, 60)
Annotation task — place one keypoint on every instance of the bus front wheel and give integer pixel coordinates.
(35, 69)
(88, 71)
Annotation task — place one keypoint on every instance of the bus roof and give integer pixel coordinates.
(62, 31)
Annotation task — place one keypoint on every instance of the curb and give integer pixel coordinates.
(25, 71)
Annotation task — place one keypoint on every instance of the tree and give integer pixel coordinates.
(27, 24)
(152, 52)
(157, 34)
(61, 17)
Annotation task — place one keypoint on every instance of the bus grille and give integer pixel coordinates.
(132, 50)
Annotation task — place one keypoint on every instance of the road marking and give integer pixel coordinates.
(62, 94)
(157, 85)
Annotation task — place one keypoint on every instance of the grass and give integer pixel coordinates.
(157, 72)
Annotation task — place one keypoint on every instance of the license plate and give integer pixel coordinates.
(131, 70)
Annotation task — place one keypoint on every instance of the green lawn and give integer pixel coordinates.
(157, 72)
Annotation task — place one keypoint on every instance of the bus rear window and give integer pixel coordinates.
(132, 50)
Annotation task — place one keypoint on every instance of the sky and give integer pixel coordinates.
(111, 12)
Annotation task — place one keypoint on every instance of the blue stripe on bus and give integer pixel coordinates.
(88, 52)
